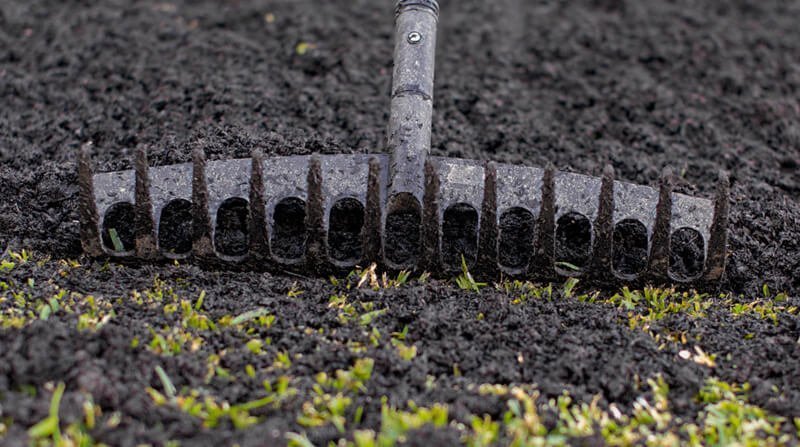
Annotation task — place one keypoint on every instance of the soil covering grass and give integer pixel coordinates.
(171, 354)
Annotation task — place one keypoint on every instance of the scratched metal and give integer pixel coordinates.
(284, 178)
(635, 202)
(343, 177)
(461, 182)
(167, 184)
(694, 213)
(577, 193)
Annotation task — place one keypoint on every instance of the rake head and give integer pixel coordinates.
(403, 209)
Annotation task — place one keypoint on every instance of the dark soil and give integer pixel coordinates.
(630, 252)
(516, 231)
(573, 240)
(233, 225)
(175, 227)
(697, 86)
(289, 241)
(345, 230)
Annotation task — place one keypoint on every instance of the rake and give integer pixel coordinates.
(403, 209)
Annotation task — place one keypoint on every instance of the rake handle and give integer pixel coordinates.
(412, 95)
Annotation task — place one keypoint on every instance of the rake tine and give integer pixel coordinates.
(144, 225)
(602, 251)
(659, 252)
(315, 217)
(487, 241)
(201, 234)
(431, 250)
(719, 230)
(259, 248)
(90, 219)
(543, 260)
(372, 214)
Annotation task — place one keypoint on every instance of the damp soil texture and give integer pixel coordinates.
(172, 354)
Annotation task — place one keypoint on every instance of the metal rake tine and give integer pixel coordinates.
(259, 244)
(315, 220)
(89, 217)
(431, 248)
(201, 234)
(543, 262)
(487, 239)
(602, 249)
(373, 222)
(144, 224)
(715, 263)
(658, 267)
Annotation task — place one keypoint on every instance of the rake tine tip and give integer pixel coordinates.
(724, 178)
(608, 171)
(198, 155)
(667, 176)
(257, 159)
(141, 153)
(85, 161)
(85, 151)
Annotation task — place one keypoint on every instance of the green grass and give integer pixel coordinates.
(115, 240)
(48, 431)
(466, 282)
(725, 420)
(212, 411)
(335, 399)
(49, 427)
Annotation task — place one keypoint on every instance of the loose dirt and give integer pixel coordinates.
(697, 86)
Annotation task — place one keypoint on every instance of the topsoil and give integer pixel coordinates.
(696, 86)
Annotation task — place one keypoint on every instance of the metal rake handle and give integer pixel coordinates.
(409, 133)
(412, 94)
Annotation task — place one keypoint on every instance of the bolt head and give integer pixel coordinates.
(414, 37)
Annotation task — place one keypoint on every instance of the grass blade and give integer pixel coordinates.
(115, 240)
(249, 315)
(169, 388)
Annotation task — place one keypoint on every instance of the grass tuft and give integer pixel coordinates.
(49, 427)
(465, 281)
